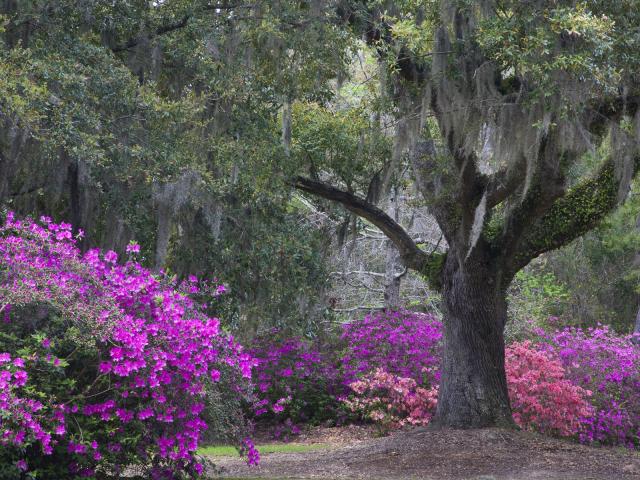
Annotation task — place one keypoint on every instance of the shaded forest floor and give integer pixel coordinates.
(490, 454)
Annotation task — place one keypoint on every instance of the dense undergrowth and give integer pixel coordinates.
(572, 382)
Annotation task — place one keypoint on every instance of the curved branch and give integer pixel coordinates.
(572, 215)
(412, 256)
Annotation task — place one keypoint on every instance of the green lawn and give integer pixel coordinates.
(230, 451)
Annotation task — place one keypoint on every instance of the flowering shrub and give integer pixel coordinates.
(103, 366)
(391, 400)
(542, 399)
(609, 365)
(297, 380)
(403, 343)
(302, 382)
(395, 358)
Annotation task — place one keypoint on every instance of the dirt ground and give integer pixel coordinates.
(490, 454)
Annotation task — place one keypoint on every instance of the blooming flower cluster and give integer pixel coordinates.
(542, 399)
(403, 343)
(391, 400)
(297, 379)
(115, 363)
(608, 365)
(22, 412)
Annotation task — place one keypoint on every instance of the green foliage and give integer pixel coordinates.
(535, 295)
(346, 142)
(537, 40)
(270, 258)
(601, 270)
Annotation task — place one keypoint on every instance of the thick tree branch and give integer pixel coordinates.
(504, 183)
(412, 256)
(162, 30)
(173, 26)
(437, 184)
(547, 185)
(573, 215)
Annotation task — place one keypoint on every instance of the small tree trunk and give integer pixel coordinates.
(392, 263)
(473, 390)
(391, 278)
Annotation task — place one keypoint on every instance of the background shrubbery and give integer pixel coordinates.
(582, 383)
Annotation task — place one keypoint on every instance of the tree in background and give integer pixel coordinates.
(159, 121)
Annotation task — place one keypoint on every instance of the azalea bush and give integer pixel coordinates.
(403, 343)
(391, 401)
(542, 398)
(393, 383)
(607, 364)
(297, 381)
(303, 381)
(104, 366)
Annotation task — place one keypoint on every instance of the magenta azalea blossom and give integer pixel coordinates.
(152, 356)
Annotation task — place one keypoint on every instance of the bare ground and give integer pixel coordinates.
(490, 454)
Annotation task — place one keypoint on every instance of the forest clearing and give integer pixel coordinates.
(490, 454)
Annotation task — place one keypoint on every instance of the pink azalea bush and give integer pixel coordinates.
(542, 399)
(104, 366)
(391, 366)
(392, 401)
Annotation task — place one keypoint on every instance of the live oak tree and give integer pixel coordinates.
(522, 93)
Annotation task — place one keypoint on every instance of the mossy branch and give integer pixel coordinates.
(572, 215)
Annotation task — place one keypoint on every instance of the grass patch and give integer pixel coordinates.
(230, 451)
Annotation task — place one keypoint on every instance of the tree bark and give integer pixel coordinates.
(473, 389)
(391, 279)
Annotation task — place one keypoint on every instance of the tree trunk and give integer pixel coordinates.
(392, 279)
(473, 390)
